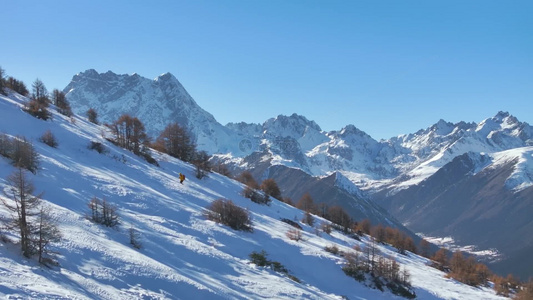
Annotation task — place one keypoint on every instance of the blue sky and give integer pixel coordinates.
(388, 67)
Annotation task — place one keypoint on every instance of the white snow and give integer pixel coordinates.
(184, 256)
(522, 176)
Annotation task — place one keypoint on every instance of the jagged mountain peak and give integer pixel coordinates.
(165, 76)
(290, 126)
(156, 103)
(351, 130)
(442, 127)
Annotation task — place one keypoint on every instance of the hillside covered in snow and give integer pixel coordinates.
(348, 167)
(183, 255)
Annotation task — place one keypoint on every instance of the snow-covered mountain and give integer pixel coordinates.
(156, 103)
(184, 255)
(377, 169)
(484, 200)
(295, 141)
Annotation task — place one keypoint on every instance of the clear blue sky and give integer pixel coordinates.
(388, 67)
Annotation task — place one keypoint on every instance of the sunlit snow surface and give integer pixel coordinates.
(184, 256)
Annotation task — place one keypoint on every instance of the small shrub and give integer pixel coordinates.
(148, 157)
(255, 196)
(38, 110)
(97, 146)
(270, 187)
(102, 212)
(294, 278)
(92, 116)
(278, 267)
(259, 258)
(227, 213)
(332, 249)
(308, 219)
(49, 139)
(134, 238)
(401, 290)
(326, 227)
(294, 234)
(355, 266)
(292, 223)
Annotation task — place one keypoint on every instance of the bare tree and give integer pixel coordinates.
(201, 162)
(38, 106)
(247, 178)
(23, 205)
(306, 203)
(92, 116)
(226, 212)
(17, 86)
(526, 292)
(175, 141)
(2, 81)
(24, 154)
(440, 259)
(49, 138)
(60, 101)
(270, 187)
(39, 92)
(371, 252)
(102, 212)
(130, 133)
(339, 216)
(47, 233)
(425, 248)
(308, 219)
(135, 238)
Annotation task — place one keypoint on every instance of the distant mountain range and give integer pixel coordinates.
(436, 181)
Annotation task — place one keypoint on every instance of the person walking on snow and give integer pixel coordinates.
(182, 178)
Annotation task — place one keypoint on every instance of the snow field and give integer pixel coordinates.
(184, 256)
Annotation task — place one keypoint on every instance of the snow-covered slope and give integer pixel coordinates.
(184, 256)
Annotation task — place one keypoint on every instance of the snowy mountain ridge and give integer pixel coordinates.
(294, 140)
(184, 256)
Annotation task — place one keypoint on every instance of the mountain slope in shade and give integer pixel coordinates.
(184, 256)
(480, 199)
